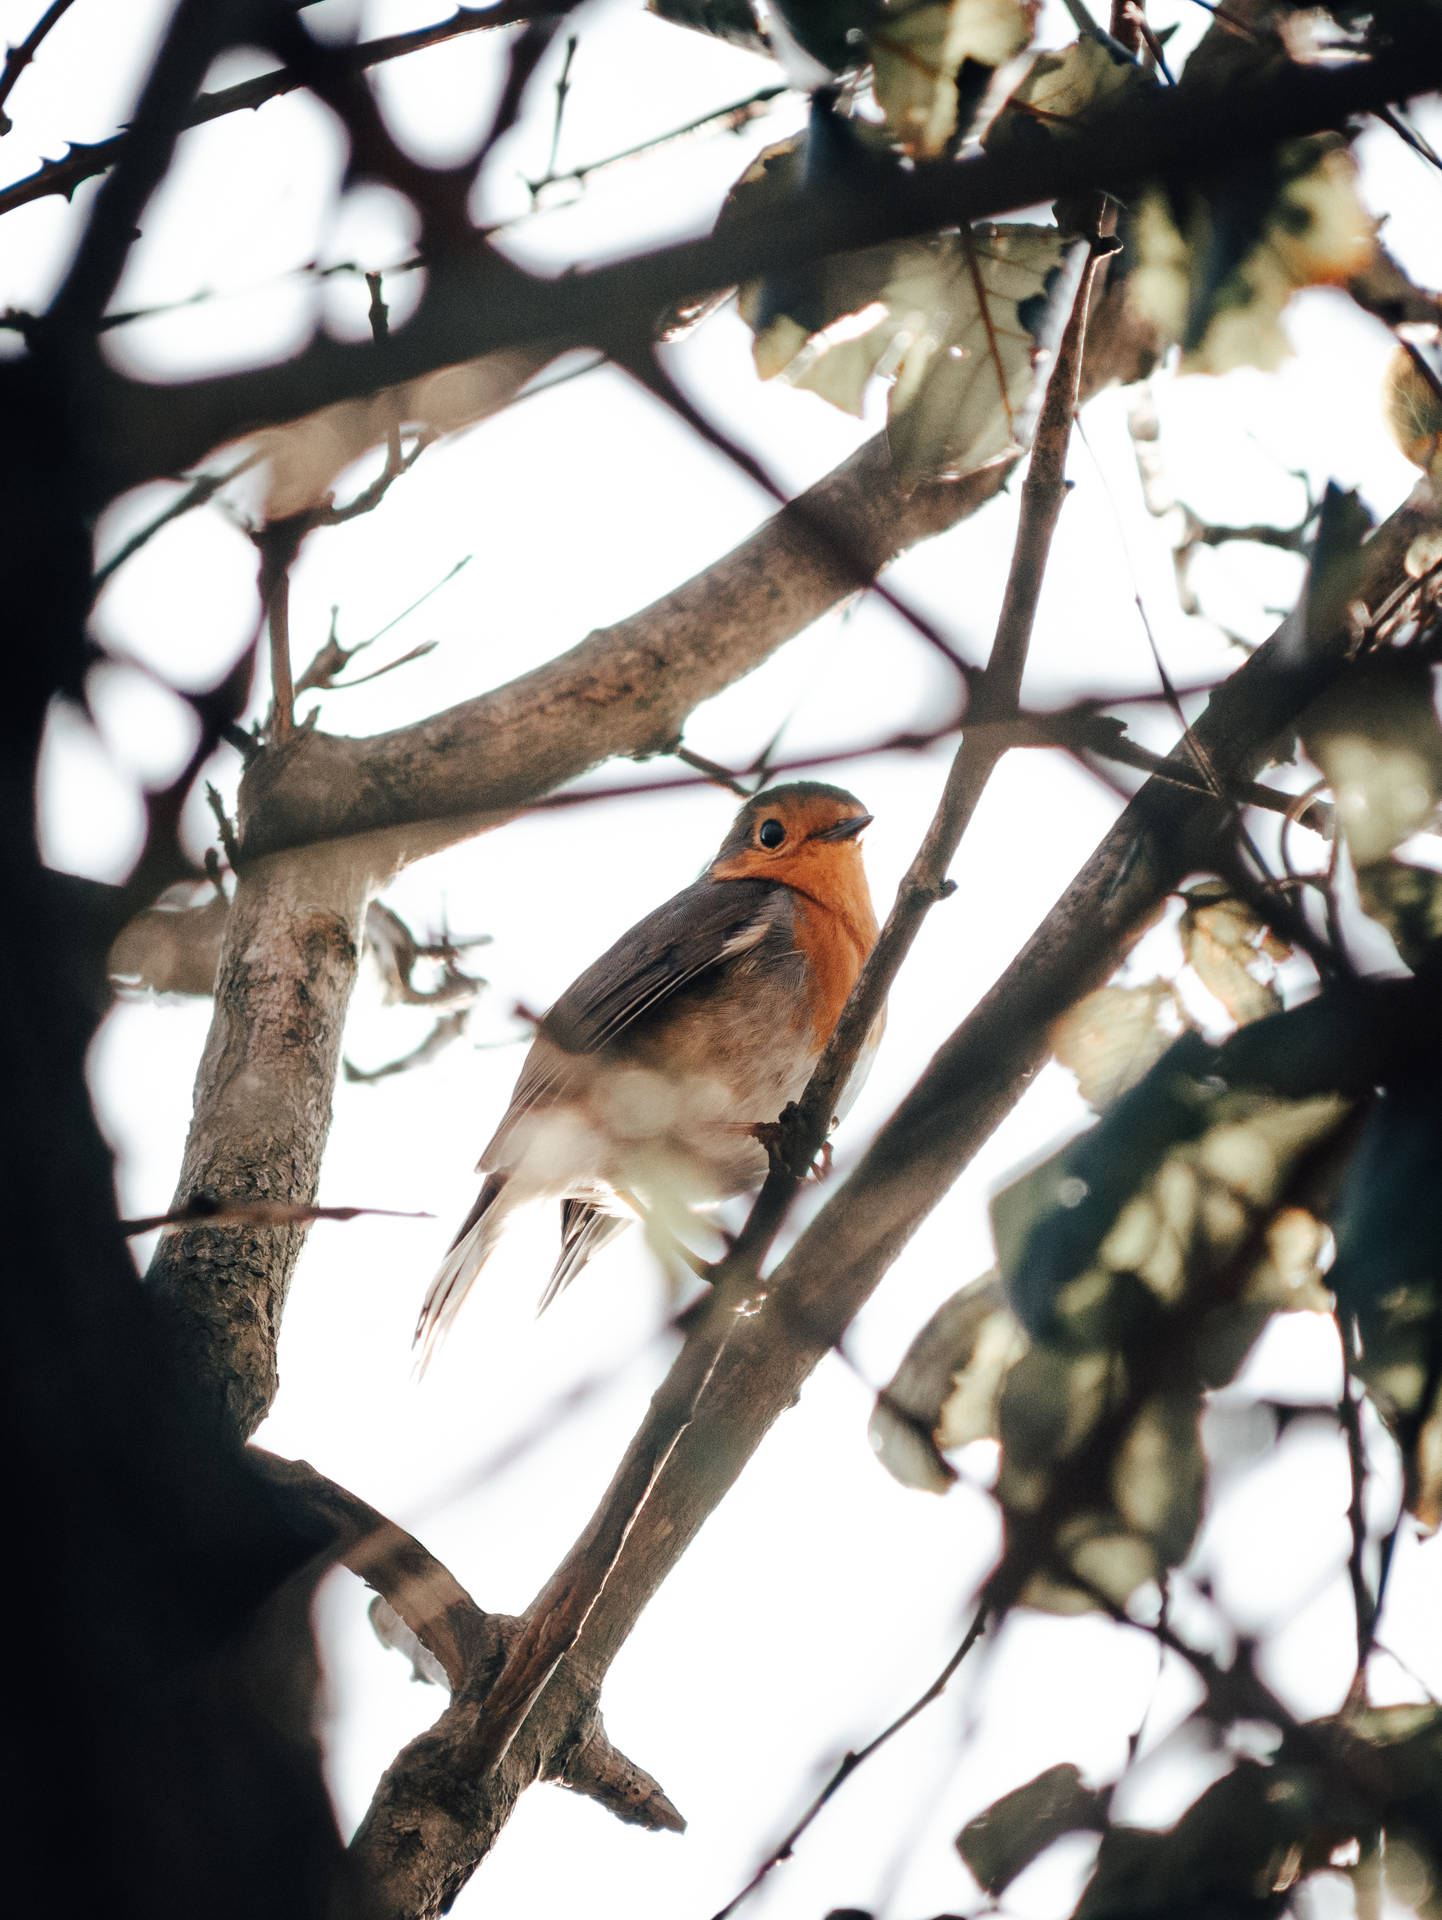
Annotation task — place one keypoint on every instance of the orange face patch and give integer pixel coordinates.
(834, 918)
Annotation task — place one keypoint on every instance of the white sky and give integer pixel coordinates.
(822, 1596)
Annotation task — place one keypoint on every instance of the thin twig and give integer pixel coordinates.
(1349, 1418)
(255, 1213)
(279, 543)
(199, 493)
(20, 56)
(83, 162)
(728, 119)
(563, 87)
(852, 1761)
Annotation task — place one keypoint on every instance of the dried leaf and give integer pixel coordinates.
(1002, 1842)
(1112, 1038)
(945, 1392)
(1376, 737)
(1412, 407)
(1214, 266)
(917, 53)
(1225, 944)
(976, 327)
(1407, 901)
(962, 323)
(1060, 92)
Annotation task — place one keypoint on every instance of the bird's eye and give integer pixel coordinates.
(771, 833)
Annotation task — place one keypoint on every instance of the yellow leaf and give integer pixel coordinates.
(1111, 1038)
(1315, 231)
(1412, 407)
(1229, 950)
(917, 53)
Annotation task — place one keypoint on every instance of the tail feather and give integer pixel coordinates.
(584, 1230)
(469, 1252)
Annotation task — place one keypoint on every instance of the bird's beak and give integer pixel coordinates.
(844, 829)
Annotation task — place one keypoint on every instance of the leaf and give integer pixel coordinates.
(1060, 92)
(976, 326)
(1388, 1273)
(1228, 1854)
(917, 53)
(1376, 737)
(1407, 901)
(961, 322)
(1002, 1842)
(1215, 263)
(1224, 942)
(1412, 407)
(945, 1392)
(1102, 1248)
(1112, 1038)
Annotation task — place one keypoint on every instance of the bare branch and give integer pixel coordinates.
(459, 1636)
(558, 1615)
(84, 162)
(626, 690)
(255, 1213)
(448, 1029)
(852, 1761)
(23, 52)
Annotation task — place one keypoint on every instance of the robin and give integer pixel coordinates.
(651, 1080)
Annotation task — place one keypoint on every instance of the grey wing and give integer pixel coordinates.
(707, 923)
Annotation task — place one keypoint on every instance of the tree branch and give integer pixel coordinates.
(556, 1617)
(82, 163)
(627, 689)
(23, 52)
(466, 1642)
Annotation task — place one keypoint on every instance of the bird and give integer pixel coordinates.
(652, 1081)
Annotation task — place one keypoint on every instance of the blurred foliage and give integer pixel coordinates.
(1376, 737)
(956, 321)
(1218, 259)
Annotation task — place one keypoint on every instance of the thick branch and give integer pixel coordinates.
(467, 1642)
(970, 1085)
(262, 1113)
(480, 303)
(627, 689)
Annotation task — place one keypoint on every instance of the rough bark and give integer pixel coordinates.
(626, 689)
(262, 1114)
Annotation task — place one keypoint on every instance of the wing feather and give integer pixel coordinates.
(704, 925)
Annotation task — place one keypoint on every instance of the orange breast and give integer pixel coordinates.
(834, 957)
